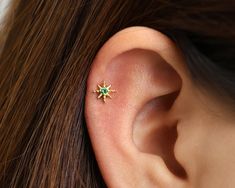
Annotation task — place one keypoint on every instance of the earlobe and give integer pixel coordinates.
(145, 69)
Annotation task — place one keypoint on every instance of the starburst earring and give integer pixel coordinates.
(104, 91)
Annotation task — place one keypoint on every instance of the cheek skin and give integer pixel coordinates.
(206, 148)
(219, 152)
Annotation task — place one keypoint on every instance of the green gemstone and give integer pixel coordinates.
(104, 90)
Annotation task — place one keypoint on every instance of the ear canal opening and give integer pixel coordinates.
(154, 134)
(168, 138)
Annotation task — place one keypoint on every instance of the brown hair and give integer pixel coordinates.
(46, 61)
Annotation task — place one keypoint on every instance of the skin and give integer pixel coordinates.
(159, 129)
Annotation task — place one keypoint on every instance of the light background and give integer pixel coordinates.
(4, 5)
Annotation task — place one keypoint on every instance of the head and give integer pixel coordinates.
(170, 122)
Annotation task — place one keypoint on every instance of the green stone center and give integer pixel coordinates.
(104, 90)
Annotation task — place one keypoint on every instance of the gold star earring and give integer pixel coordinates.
(104, 91)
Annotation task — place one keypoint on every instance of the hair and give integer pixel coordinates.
(45, 63)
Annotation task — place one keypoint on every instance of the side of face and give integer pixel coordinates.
(205, 143)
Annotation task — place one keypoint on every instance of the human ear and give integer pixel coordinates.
(134, 132)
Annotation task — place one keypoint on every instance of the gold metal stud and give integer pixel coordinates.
(104, 91)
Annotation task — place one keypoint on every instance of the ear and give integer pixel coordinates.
(134, 132)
